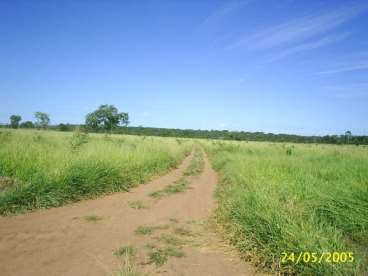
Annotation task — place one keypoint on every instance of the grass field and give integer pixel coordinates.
(276, 198)
(273, 198)
(42, 169)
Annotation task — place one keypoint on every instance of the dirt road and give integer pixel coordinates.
(80, 239)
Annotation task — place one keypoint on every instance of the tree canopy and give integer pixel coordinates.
(15, 120)
(42, 119)
(27, 124)
(106, 117)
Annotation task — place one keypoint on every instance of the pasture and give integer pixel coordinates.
(273, 198)
(292, 198)
(42, 169)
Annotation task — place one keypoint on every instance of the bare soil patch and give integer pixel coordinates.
(91, 237)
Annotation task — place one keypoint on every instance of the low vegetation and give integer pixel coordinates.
(137, 205)
(181, 231)
(196, 165)
(276, 198)
(127, 268)
(144, 230)
(127, 250)
(92, 218)
(177, 187)
(170, 240)
(148, 230)
(343, 138)
(159, 256)
(273, 198)
(49, 169)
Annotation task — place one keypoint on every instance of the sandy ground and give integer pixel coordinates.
(61, 241)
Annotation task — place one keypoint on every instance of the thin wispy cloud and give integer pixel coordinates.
(299, 29)
(349, 67)
(146, 114)
(349, 90)
(224, 11)
(354, 61)
(308, 46)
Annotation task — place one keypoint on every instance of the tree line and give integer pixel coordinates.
(42, 120)
(108, 119)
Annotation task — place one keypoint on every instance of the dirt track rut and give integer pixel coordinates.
(62, 241)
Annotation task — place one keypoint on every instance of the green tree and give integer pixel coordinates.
(106, 117)
(42, 119)
(14, 121)
(63, 127)
(27, 124)
(347, 136)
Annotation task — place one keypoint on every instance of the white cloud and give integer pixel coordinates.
(349, 90)
(308, 46)
(348, 67)
(299, 29)
(223, 11)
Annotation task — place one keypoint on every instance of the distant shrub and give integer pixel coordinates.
(63, 127)
(37, 138)
(6, 182)
(78, 139)
(107, 137)
(27, 124)
(5, 135)
(120, 141)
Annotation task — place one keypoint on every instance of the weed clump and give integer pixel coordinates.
(144, 230)
(170, 240)
(127, 250)
(178, 187)
(78, 139)
(7, 182)
(196, 165)
(159, 256)
(182, 231)
(137, 205)
(127, 268)
(92, 218)
(37, 138)
(148, 230)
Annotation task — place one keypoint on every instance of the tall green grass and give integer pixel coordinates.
(276, 198)
(50, 169)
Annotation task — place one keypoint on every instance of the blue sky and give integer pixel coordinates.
(259, 65)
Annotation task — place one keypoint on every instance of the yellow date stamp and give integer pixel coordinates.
(315, 257)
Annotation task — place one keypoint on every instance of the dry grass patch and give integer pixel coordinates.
(196, 165)
(92, 218)
(137, 205)
(178, 187)
(127, 250)
(159, 256)
(148, 230)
